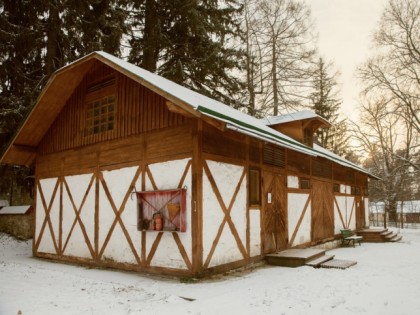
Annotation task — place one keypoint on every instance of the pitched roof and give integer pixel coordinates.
(49, 105)
(301, 115)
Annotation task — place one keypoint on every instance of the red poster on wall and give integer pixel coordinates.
(162, 210)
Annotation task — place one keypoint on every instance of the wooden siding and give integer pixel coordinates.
(226, 144)
(137, 110)
(162, 144)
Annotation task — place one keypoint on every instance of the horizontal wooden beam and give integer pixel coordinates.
(180, 109)
(214, 122)
(24, 148)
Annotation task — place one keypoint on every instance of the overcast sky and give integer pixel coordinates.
(345, 29)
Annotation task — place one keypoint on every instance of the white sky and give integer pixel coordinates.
(345, 29)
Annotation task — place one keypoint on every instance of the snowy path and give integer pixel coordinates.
(386, 280)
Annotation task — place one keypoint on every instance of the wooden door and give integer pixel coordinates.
(274, 212)
(322, 210)
(360, 212)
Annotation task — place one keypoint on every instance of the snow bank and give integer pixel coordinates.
(384, 281)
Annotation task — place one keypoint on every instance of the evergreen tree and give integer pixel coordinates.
(36, 38)
(190, 42)
(325, 103)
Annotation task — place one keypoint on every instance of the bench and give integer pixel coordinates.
(349, 237)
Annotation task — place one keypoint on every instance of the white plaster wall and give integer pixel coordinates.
(47, 185)
(367, 223)
(167, 175)
(342, 188)
(118, 182)
(255, 232)
(77, 245)
(348, 190)
(295, 206)
(346, 204)
(351, 211)
(342, 203)
(227, 177)
(292, 182)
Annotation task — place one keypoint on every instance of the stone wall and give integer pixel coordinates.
(18, 225)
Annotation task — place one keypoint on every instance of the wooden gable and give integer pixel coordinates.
(301, 130)
(57, 121)
(135, 110)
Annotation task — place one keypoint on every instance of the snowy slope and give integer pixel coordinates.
(386, 280)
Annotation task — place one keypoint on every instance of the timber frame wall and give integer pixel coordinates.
(147, 133)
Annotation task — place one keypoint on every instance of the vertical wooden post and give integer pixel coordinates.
(197, 198)
(97, 170)
(248, 226)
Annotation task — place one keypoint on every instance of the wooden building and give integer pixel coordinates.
(136, 172)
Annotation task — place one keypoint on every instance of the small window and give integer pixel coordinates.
(100, 115)
(304, 183)
(336, 188)
(254, 187)
(274, 155)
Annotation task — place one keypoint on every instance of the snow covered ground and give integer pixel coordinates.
(386, 280)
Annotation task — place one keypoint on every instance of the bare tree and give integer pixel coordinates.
(280, 46)
(395, 70)
(389, 141)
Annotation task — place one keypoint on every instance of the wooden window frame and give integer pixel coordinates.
(100, 111)
(336, 188)
(254, 199)
(304, 183)
(169, 204)
(274, 155)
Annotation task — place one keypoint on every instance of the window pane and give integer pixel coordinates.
(100, 115)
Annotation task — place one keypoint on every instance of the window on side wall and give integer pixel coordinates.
(304, 183)
(254, 187)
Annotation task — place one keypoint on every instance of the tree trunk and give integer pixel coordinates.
(53, 28)
(275, 86)
(151, 37)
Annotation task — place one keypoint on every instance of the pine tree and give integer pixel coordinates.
(325, 103)
(190, 42)
(36, 38)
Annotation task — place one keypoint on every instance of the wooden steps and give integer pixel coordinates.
(319, 261)
(310, 257)
(376, 235)
(294, 257)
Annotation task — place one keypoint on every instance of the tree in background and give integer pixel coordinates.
(392, 78)
(285, 48)
(390, 141)
(190, 42)
(326, 103)
(37, 38)
(395, 70)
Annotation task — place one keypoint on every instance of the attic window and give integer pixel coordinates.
(100, 115)
(273, 155)
(321, 169)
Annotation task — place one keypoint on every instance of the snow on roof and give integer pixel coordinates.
(302, 115)
(233, 118)
(209, 106)
(15, 210)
